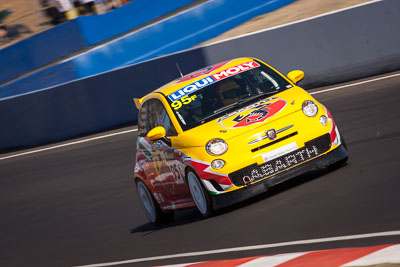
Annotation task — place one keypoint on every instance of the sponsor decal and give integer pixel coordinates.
(253, 106)
(211, 79)
(160, 163)
(202, 72)
(190, 88)
(235, 70)
(184, 101)
(257, 113)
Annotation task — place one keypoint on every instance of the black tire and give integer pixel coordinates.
(150, 206)
(200, 194)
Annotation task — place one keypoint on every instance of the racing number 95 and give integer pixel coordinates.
(183, 101)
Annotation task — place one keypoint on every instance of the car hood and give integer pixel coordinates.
(247, 118)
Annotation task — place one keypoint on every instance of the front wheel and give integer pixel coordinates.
(200, 195)
(150, 207)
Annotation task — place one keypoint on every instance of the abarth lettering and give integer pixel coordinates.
(281, 163)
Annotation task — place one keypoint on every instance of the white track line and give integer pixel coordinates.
(294, 22)
(355, 84)
(68, 144)
(247, 248)
(134, 130)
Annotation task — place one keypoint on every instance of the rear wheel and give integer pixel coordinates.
(150, 207)
(200, 195)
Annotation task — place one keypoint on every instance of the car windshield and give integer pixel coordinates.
(226, 95)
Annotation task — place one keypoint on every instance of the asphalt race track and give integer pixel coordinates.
(77, 205)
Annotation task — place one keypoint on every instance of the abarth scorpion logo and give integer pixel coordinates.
(259, 115)
(252, 117)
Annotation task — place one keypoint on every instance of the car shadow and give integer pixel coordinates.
(192, 215)
(282, 187)
(182, 217)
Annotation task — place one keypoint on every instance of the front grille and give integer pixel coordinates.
(256, 172)
(274, 142)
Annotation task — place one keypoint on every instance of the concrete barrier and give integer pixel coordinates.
(335, 48)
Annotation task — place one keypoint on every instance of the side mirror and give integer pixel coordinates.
(295, 76)
(156, 133)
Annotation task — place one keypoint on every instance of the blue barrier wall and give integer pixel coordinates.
(174, 34)
(89, 105)
(72, 36)
(171, 35)
(39, 50)
(95, 29)
(47, 77)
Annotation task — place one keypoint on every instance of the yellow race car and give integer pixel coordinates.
(226, 133)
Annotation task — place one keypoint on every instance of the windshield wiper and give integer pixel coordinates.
(237, 103)
(243, 100)
(259, 96)
(222, 109)
(227, 107)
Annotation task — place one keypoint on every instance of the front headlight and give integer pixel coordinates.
(216, 147)
(310, 109)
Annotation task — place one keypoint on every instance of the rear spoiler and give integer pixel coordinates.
(138, 102)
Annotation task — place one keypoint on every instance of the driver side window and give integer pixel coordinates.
(153, 114)
(143, 120)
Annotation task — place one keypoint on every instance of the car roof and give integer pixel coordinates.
(194, 76)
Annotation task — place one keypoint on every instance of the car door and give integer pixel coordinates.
(144, 158)
(166, 167)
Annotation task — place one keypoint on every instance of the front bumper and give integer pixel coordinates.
(223, 200)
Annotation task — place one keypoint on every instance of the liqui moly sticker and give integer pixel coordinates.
(235, 70)
(191, 88)
(212, 79)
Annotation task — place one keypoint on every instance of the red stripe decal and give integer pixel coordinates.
(333, 129)
(201, 170)
(331, 258)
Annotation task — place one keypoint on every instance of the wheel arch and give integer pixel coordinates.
(189, 167)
